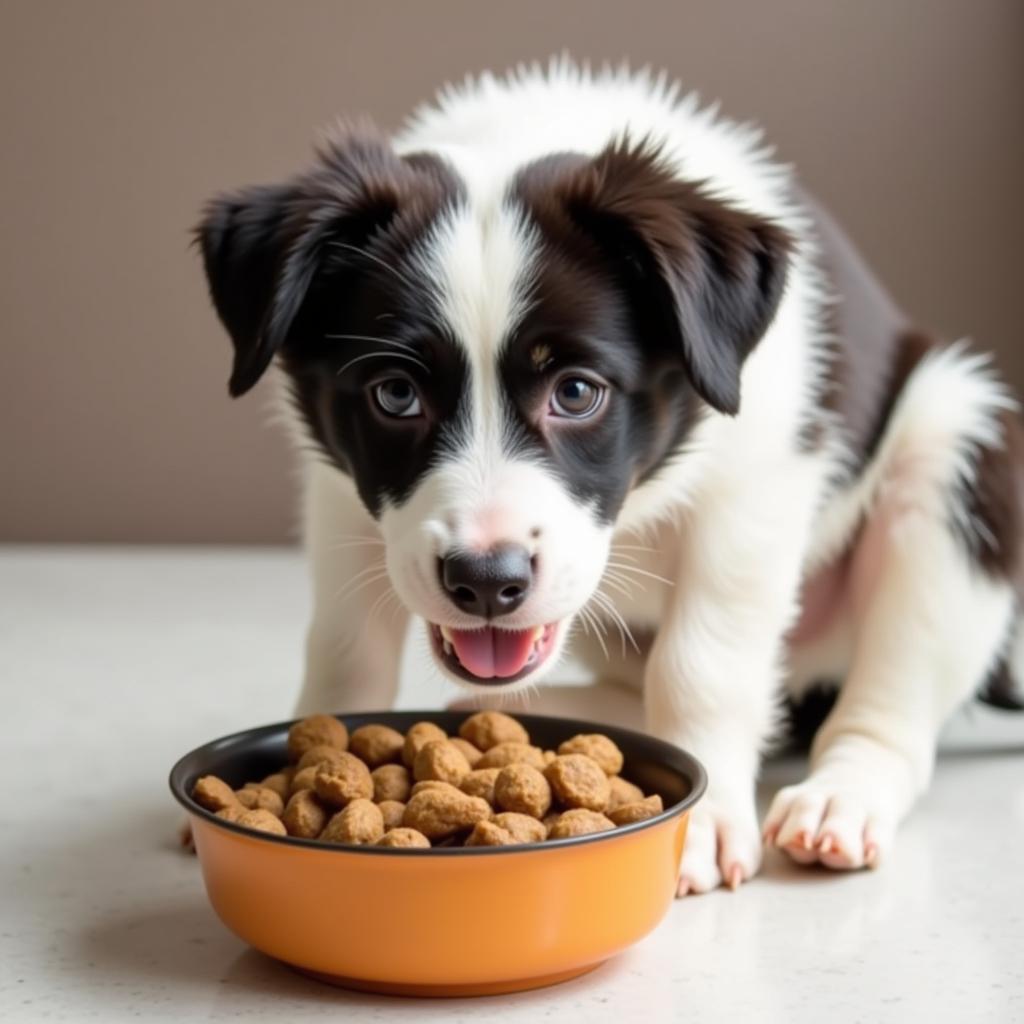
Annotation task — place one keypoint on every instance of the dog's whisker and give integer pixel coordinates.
(614, 574)
(378, 568)
(354, 544)
(381, 603)
(608, 605)
(384, 355)
(362, 586)
(370, 337)
(359, 251)
(586, 616)
(623, 554)
(617, 585)
(640, 572)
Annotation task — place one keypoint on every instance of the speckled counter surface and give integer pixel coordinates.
(114, 661)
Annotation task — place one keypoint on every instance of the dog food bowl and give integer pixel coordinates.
(445, 921)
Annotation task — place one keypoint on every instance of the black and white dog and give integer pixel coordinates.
(571, 350)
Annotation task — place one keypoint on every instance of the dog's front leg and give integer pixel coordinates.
(712, 678)
(929, 623)
(354, 644)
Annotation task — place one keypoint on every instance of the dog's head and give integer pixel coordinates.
(495, 369)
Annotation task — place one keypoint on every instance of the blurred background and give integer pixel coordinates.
(121, 116)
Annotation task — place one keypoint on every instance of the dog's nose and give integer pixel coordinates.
(490, 584)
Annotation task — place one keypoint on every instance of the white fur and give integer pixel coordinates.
(710, 556)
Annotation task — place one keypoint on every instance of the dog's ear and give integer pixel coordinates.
(263, 246)
(709, 276)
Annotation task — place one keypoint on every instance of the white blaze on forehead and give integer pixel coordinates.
(481, 259)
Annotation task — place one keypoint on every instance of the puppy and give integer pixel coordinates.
(571, 355)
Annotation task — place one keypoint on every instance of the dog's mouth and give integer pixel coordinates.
(491, 655)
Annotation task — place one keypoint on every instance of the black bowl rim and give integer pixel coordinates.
(656, 749)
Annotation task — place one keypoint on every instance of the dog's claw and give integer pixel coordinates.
(802, 841)
(735, 877)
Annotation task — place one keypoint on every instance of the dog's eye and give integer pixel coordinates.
(397, 397)
(576, 398)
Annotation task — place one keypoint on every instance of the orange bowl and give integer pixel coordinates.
(448, 921)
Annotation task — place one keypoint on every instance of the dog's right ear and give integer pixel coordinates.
(262, 246)
(243, 238)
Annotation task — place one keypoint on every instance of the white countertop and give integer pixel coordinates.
(115, 661)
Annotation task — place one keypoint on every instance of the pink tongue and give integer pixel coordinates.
(493, 652)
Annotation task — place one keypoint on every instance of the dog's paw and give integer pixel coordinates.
(844, 827)
(722, 848)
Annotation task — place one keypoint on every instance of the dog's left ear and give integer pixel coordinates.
(712, 274)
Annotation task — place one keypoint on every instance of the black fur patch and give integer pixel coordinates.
(320, 272)
(656, 287)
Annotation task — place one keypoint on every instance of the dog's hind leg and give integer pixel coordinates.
(934, 604)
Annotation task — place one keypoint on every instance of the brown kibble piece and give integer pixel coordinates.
(511, 753)
(523, 789)
(341, 783)
(439, 759)
(548, 756)
(522, 827)
(359, 823)
(261, 821)
(418, 734)
(578, 781)
(391, 782)
(622, 791)
(280, 782)
(480, 782)
(304, 779)
(313, 731)
(253, 798)
(469, 752)
(391, 811)
(486, 833)
(639, 811)
(304, 815)
(404, 839)
(487, 729)
(214, 794)
(376, 744)
(579, 822)
(598, 748)
(440, 812)
(318, 755)
(419, 787)
(231, 813)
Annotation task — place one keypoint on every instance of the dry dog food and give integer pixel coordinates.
(488, 786)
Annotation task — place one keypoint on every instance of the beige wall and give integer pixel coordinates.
(120, 117)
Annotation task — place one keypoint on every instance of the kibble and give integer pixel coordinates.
(314, 731)
(305, 815)
(391, 782)
(377, 744)
(488, 786)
